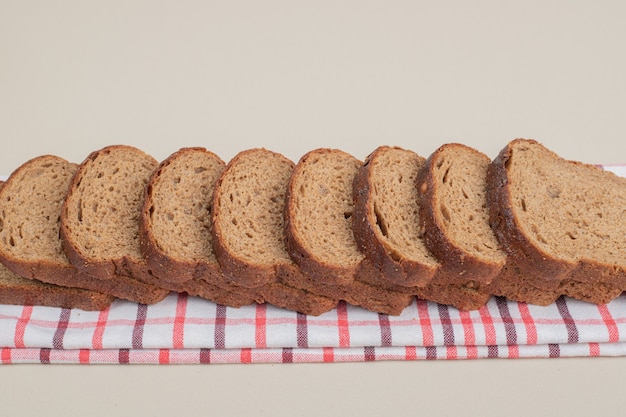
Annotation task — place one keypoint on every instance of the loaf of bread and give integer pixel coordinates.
(455, 228)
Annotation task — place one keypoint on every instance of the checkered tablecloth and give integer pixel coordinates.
(183, 329)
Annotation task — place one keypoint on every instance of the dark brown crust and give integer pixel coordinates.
(506, 228)
(67, 276)
(403, 272)
(308, 263)
(160, 263)
(357, 293)
(515, 285)
(54, 296)
(459, 267)
(461, 297)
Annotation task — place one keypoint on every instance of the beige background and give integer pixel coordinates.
(292, 76)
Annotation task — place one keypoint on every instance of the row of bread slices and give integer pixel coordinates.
(456, 228)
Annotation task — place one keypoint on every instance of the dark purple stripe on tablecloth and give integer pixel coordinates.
(570, 324)
(142, 311)
(302, 331)
(509, 325)
(446, 325)
(385, 330)
(64, 319)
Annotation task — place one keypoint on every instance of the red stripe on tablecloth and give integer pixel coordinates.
(246, 355)
(5, 356)
(369, 353)
(83, 356)
(260, 326)
(570, 324)
(178, 336)
(140, 322)
(20, 326)
(468, 328)
(410, 353)
(302, 331)
(205, 355)
(220, 326)
(452, 352)
(469, 334)
(428, 338)
(608, 320)
(328, 355)
(96, 340)
(594, 349)
(64, 318)
(490, 329)
(164, 356)
(529, 324)
(385, 330)
(343, 325)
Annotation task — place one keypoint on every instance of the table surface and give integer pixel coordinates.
(291, 77)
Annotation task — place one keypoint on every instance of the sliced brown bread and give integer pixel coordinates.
(454, 221)
(386, 217)
(29, 240)
(319, 214)
(561, 221)
(17, 290)
(248, 231)
(100, 215)
(175, 226)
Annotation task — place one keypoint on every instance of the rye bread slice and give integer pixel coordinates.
(248, 231)
(386, 217)
(29, 240)
(561, 221)
(100, 215)
(175, 227)
(17, 290)
(318, 215)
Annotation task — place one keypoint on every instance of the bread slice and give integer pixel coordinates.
(248, 231)
(175, 227)
(453, 220)
(100, 215)
(29, 237)
(319, 215)
(17, 290)
(28, 292)
(386, 217)
(561, 221)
